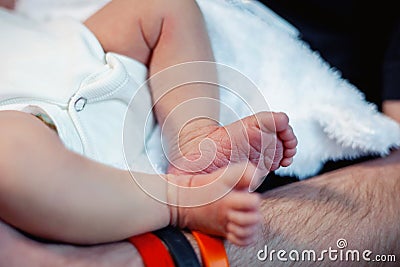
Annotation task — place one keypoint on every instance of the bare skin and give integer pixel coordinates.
(392, 109)
(28, 185)
(357, 203)
(312, 214)
(300, 211)
(160, 29)
(265, 139)
(9, 4)
(363, 176)
(154, 38)
(39, 202)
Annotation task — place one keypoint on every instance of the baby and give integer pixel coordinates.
(55, 184)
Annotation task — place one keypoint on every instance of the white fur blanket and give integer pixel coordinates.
(329, 115)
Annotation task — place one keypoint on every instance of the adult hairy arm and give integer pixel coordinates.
(359, 203)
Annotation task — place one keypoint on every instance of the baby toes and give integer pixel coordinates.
(241, 203)
(289, 141)
(281, 121)
(286, 162)
(288, 157)
(292, 142)
(278, 156)
(244, 220)
(243, 227)
(238, 241)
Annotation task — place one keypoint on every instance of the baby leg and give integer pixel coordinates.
(53, 193)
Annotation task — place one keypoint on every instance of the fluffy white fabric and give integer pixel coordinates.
(330, 116)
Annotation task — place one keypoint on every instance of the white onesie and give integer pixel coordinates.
(59, 68)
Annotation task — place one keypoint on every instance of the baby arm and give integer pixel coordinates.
(54, 193)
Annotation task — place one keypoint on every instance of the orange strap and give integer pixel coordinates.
(153, 251)
(212, 250)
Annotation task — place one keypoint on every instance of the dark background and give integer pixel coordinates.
(360, 39)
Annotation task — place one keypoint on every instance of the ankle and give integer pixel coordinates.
(176, 184)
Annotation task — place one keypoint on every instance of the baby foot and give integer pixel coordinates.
(265, 139)
(220, 204)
